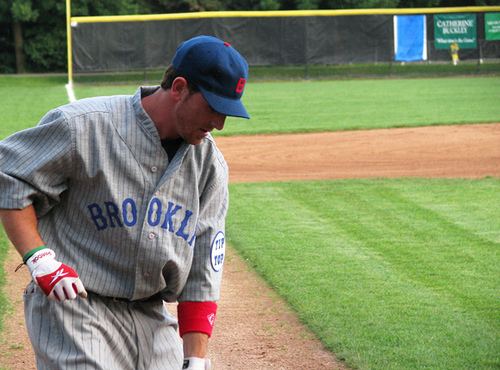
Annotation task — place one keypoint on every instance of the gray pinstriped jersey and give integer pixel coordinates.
(111, 205)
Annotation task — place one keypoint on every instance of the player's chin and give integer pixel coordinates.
(197, 138)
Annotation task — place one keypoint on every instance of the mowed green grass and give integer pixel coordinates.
(296, 106)
(390, 274)
(312, 106)
(26, 99)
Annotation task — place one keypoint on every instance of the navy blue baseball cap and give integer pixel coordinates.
(217, 70)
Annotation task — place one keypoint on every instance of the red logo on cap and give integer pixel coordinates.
(241, 85)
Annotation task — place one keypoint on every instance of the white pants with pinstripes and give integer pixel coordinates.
(100, 333)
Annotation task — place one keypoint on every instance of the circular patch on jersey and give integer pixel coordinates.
(218, 251)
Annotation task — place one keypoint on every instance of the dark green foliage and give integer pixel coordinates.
(43, 29)
(46, 47)
(7, 57)
(358, 4)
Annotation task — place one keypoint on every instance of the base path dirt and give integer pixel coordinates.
(255, 329)
(467, 151)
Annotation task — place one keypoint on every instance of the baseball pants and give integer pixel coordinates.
(101, 333)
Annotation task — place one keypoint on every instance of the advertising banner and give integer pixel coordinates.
(492, 26)
(455, 28)
(410, 40)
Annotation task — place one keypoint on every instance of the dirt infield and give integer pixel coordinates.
(255, 329)
(468, 151)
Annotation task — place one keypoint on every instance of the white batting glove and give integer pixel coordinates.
(196, 363)
(58, 281)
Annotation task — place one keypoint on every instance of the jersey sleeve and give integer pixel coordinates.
(203, 283)
(35, 164)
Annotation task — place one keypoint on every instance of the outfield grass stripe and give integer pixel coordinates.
(463, 206)
(315, 106)
(373, 272)
(355, 104)
(357, 273)
(443, 252)
(298, 106)
(450, 260)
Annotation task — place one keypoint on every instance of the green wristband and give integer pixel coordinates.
(28, 255)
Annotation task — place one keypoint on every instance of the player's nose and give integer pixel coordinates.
(218, 122)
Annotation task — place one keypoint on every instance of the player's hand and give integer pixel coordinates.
(58, 281)
(196, 363)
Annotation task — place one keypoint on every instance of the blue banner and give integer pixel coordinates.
(410, 38)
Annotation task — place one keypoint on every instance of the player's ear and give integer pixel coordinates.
(179, 87)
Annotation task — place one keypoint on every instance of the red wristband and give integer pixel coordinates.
(196, 317)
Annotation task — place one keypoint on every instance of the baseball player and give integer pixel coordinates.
(454, 48)
(117, 204)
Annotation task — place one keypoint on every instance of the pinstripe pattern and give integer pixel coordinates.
(112, 206)
(99, 333)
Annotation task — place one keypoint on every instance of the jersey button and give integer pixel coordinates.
(154, 169)
(151, 236)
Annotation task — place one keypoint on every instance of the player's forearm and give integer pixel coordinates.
(195, 344)
(21, 227)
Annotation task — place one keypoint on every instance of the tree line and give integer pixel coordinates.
(33, 33)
